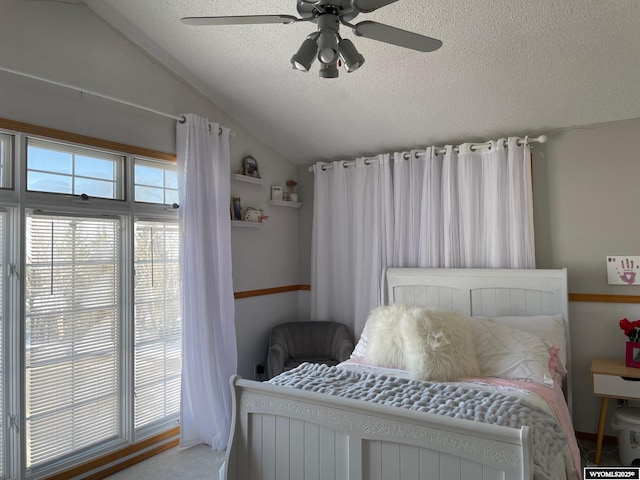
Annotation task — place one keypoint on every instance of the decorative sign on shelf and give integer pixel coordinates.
(623, 270)
(277, 193)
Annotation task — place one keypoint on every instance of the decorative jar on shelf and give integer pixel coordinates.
(632, 331)
(293, 196)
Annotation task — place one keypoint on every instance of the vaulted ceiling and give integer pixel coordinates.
(506, 67)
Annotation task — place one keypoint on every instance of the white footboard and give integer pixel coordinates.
(284, 433)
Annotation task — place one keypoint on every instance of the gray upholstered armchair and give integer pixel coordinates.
(291, 344)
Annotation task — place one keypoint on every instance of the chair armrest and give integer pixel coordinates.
(276, 358)
(342, 345)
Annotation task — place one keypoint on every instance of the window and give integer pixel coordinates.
(155, 182)
(90, 330)
(158, 359)
(61, 168)
(72, 331)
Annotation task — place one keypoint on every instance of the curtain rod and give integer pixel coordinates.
(179, 118)
(422, 153)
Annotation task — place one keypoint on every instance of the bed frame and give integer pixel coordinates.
(284, 433)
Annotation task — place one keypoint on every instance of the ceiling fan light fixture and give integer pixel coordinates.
(352, 59)
(329, 70)
(305, 55)
(325, 43)
(328, 47)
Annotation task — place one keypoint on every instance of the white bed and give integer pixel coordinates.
(285, 433)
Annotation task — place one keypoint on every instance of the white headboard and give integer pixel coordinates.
(479, 291)
(483, 292)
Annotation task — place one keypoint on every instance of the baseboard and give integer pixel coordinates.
(132, 461)
(122, 458)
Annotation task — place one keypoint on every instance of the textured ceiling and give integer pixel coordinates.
(507, 67)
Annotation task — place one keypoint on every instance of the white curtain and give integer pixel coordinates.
(209, 353)
(351, 204)
(458, 209)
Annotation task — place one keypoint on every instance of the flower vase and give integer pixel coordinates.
(633, 355)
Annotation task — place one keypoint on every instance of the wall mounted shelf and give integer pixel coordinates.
(245, 224)
(284, 203)
(247, 179)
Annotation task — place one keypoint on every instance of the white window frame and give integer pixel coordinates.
(166, 422)
(73, 357)
(118, 159)
(6, 161)
(148, 162)
(17, 200)
(5, 421)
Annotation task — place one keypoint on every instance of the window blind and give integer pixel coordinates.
(72, 307)
(158, 356)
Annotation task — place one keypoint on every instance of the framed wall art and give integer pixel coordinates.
(250, 167)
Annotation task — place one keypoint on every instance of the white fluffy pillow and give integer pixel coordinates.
(438, 345)
(361, 347)
(431, 345)
(509, 353)
(384, 346)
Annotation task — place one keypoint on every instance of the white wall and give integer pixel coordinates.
(267, 256)
(69, 44)
(586, 207)
(260, 314)
(586, 202)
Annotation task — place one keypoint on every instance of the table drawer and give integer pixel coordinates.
(614, 386)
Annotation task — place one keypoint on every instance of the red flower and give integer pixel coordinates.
(626, 325)
(631, 329)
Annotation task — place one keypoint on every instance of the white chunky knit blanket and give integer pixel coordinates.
(450, 399)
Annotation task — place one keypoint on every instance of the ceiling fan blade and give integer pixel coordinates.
(367, 6)
(239, 20)
(396, 36)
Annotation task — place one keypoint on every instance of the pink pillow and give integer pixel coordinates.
(556, 368)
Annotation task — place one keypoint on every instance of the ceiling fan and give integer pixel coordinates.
(326, 43)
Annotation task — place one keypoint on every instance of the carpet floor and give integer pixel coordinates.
(195, 463)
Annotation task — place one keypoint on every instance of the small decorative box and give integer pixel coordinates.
(633, 354)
